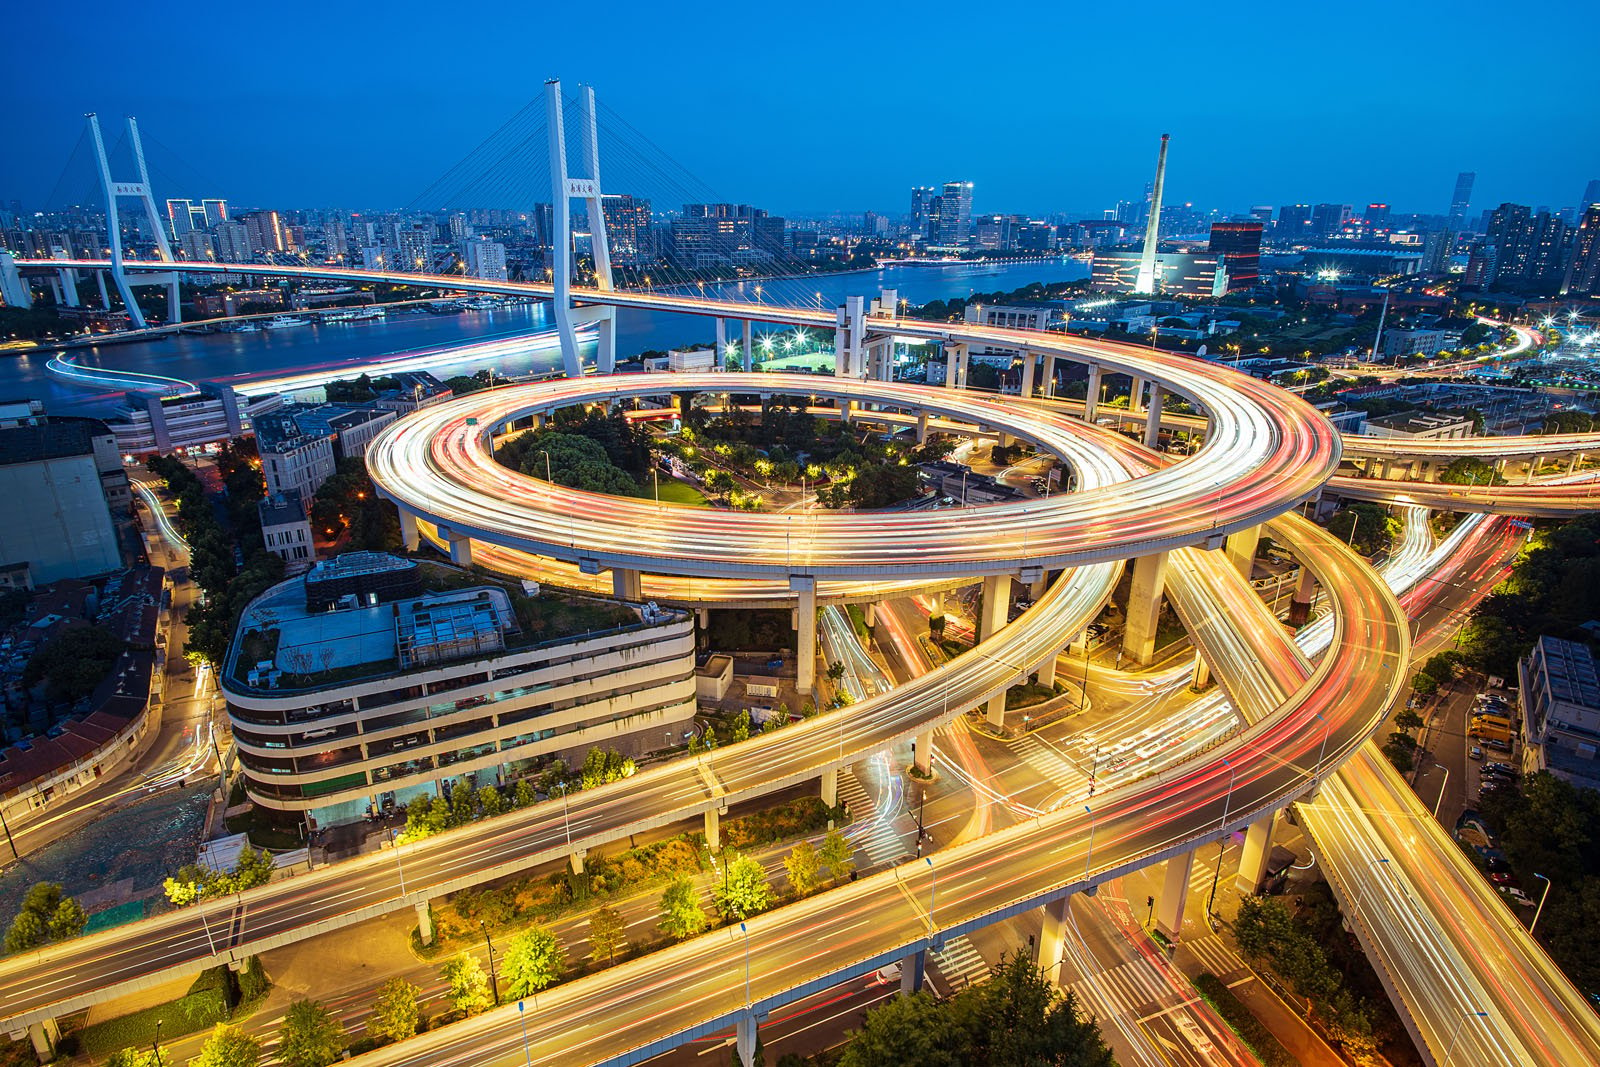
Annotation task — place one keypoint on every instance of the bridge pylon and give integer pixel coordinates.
(564, 188)
(115, 190)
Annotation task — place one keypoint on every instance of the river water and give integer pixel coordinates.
(338, 348)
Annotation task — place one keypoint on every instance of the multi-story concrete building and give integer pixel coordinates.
(1403, 342)
(372, 680)
(151, 422)
(485, 259)
(1419, 426)
(630, 231)
(65, 491)
(300, 445)
(1561, 711)
(286, 529)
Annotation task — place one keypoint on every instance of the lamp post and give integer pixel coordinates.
(1450, 1048)
(1222, 844)
(1440, 801)
(1088, 857)
(522, 1018)
(1540, 909)
(395, 846)
(7, 827)
(566, 815)
(494, 981)
(155, 1045)
(745, 930)
(209, 943)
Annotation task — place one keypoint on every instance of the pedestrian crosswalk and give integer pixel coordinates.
(1214, 955)
(1047, 761)
(960, 964)
(872, 831)
(1127, 989)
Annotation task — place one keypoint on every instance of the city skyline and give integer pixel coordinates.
(1360, 140)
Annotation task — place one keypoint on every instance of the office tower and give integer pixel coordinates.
(215, 211)
(460, 229)
(1240, 245)
(1510, 234)
(629, 229)
(922, 209)
(1461, 199)
(1377, 216)
(951, 225)
(179, 218)
(335, 241)
(1294, 219)
(1262, 213)
(485, 259)
(1145, 281)
(266, 231)
(1328, 219)
(1583, 270)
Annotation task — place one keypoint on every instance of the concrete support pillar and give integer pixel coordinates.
(1028, 362)
(991, 617)
(424, 922)
(1050, 375)
(869, 614)
(1053, 941)
(575, 860)
(702, 617)
(100, 283)
(69, 288)
(913, 970)
(460, 548)
(1202, 673)
(627, 584)
(1091, 396)
(1253, 858)
(1144, 607)
(410, 536)
(1174, 895)
(744, 1038)
(722, 340)
(45, 1036)
(1241, 549)
(830, 787)
(1572, 464)
(922, 753)
(1047, 669)
(746, 346)
(936, 603)
(805, 663)
(1152, 421)
(714, 830)
(922, 428)
(1300, 605)
(1135, 396)
(955, 365)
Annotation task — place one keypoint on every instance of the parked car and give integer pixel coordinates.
(1517, 895)
(1500, 878)
(1475, 752)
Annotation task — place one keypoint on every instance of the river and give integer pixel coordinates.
(338, 348)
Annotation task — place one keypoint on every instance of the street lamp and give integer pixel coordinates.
(155, 1046)
(209, 943)
(1088, 857)
(745, 930)
(1440, 801)
(395, 846)
(1540, 909)
(522, 1018)
(1450, 1048)
(566, 815)
(494, 982)
(1222, 843)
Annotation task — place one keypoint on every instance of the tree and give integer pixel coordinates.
(310, 1036)
(228, 1046)
(140, 1057)
(490, 802)
(836, 670)
(27, 931)
(252, 869)
(682, 915)
(607, 933)
(68, 920)
(903, 1030)
(1406, 719)
(468, 984)
(744, 890)
(396, 1015)
(534, 959)
(803, 867)
(837, 856)
(524, 795)
(1424, 685)
(741, 725)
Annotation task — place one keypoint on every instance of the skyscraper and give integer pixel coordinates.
(1240, 245)
(629, 229)
(922, 209)
(1294, 219)
(485, 259)
(1529, 248)
(1583, 270)
(1461, 199)
(179, 221)
(1591, 196)
(1327, 219)
(952, 228)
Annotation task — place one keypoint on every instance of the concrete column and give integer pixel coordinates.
(922, 757)
(575, 860)
(460, 549)
(1572, 464)
(69, 288)
(1091, 397)
(410, 536)
(702, 617)
(1255, 854)
(806, 628)
(713, 829)
(922, 428)
(722, 340)
(950, 366)
(1135, 396)
(830, 787)
(1053, 941)
(1152, 421)
(100, 283)
(1300, 604)
(1174, 895)
(744, 1036)
(963, 364)
(913, 969)
(1050, 375)
(1144, 607)
(1202, 673)
(869, 613)
(45, 1035)
(991, 617)
(1241, 549)
(746, 345)
(1028, 361)
(627, 584)
(936, 603)
(1047, 669)
(424, 922)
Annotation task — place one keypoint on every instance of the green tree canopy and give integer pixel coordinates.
(744, 890)
(466, 984)
(228, 1046)
(534, 959)
(310, 1036)
(397, 1013)
(682, 914)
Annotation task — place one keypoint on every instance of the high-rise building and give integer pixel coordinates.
(266, 231)
(460, 229)
(1327, 219)
(1461, 199)
(485, 259)
(923, 199)
(233, 242)
(1437, 248)
(1262, 213)
(1294, 220)
(334, 239)
(215, 210)
(713, 235)
(179, 218)
(413, 247)
(1583, 269)
(1529, 248)
(630, 229)
(1240, 245)
(953, 228)
(1377, 216)
(198, 245)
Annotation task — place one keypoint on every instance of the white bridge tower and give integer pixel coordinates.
(115, 190)
(564, 189)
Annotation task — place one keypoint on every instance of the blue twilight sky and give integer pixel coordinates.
(834, 106)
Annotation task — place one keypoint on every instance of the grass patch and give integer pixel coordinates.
(1028, 695)
(214, 997)
(792, 818)
(676, 492)
(1267, 1048)
(858, 619)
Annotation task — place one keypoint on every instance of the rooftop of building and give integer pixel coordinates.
(53, 437)
(1569, 671)
(294, 638)
(1416, 421)
(282, 509)
(294, 424)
